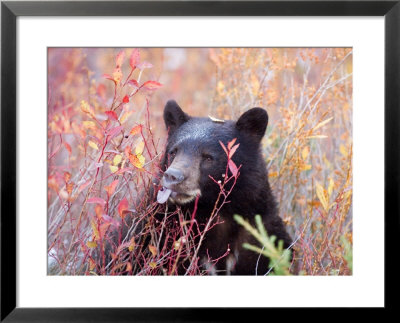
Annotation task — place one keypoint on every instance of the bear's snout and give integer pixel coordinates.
(173, 176)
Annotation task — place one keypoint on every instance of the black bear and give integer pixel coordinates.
(194, 155)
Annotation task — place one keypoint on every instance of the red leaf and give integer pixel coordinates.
(112, 115)
(224, 148)
(120, 58)
(114, 131)
(232, 151)
(108, 77)
(97, 200)
(232, 167)
(151, 85)
(125, 99)
(133, 83)
(230, 144)
(135, 58)
(123, 207)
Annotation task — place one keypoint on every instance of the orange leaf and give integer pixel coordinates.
(123, 207)
(67, 177)
(68, 147)
(70, 186)
(111, 188)
(99, 211)
(153, 250)
(136, 161)
(135, 130)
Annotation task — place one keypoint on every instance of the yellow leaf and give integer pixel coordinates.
(305, 167)
(305, 152)
(132, 244)
(330, 187)
(321, 193)
(220, 86)
(85, 107)
(255, 85)
(113, 169)
(326, 161)
(322, 123)
(153, 250)
(117, 75)
(96, 234)
(117, 159)
(136, 160)
(317, 137)
(91, 244)
(153, 265)
(141, 158)
(125, 116)
(343, 150)
(139, 148)
(89, 124)
(92, 264)
(93, 145)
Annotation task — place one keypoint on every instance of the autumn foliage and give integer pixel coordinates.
(106, 139)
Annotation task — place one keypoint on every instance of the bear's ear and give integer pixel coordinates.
(174, 117)
(253, 122)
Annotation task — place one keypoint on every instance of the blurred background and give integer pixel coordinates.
(307, 93)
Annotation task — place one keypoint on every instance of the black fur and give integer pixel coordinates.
(252, 194)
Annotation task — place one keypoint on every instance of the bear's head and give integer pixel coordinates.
(193, 153)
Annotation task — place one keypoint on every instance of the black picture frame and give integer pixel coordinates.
(11, 10)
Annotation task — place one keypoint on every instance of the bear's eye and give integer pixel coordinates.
(173, 152)
(207, 157)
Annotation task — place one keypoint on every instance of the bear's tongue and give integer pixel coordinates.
(163, 195)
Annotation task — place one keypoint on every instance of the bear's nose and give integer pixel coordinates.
(173, 176)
